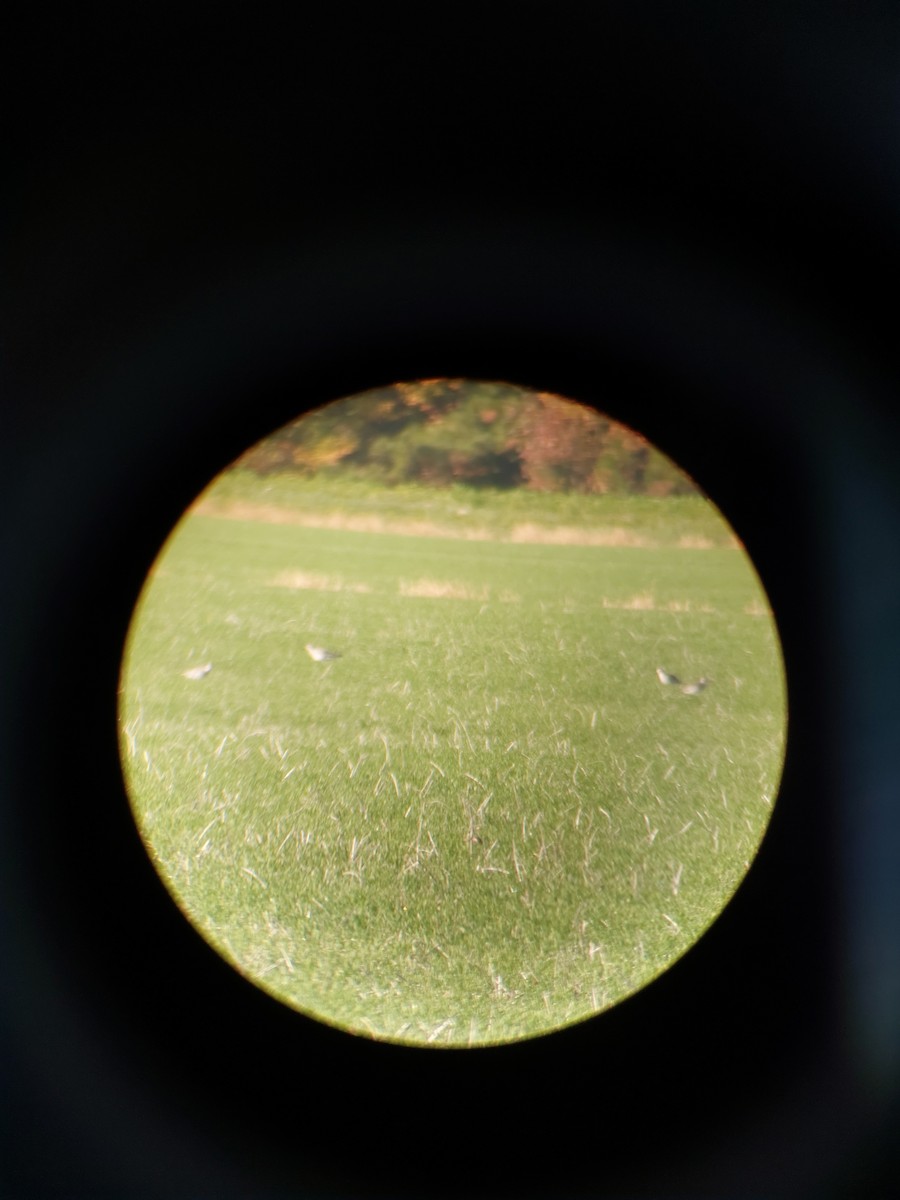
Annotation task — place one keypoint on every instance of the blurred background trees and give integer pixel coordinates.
(444, 431)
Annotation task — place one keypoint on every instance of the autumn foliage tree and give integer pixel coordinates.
(482, 434)
(559, 444)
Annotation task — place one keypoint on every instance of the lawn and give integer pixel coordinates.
(487, 818)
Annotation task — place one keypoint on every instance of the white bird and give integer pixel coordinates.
(320, 654)
(197, 672)
(665, 677)
(694, 689)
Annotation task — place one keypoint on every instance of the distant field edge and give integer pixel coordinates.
(529, 532)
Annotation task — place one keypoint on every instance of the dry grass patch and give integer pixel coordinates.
(524, 532)
(315, 581)
(442, 589)
(270, 514)
(641, 601)
(570, 535)
(688, 606)
(646, 602)
(453, 589)
(756, 608)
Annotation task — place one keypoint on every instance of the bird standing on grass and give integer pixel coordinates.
(664, 677)
(320, 654)
(197, 672)
(694, 689)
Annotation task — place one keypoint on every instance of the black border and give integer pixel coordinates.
(699, 269)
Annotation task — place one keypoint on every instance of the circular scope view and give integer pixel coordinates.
(452, 713)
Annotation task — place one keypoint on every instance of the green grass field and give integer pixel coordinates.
(487, 818)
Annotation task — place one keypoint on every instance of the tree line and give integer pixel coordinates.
(444, 431)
